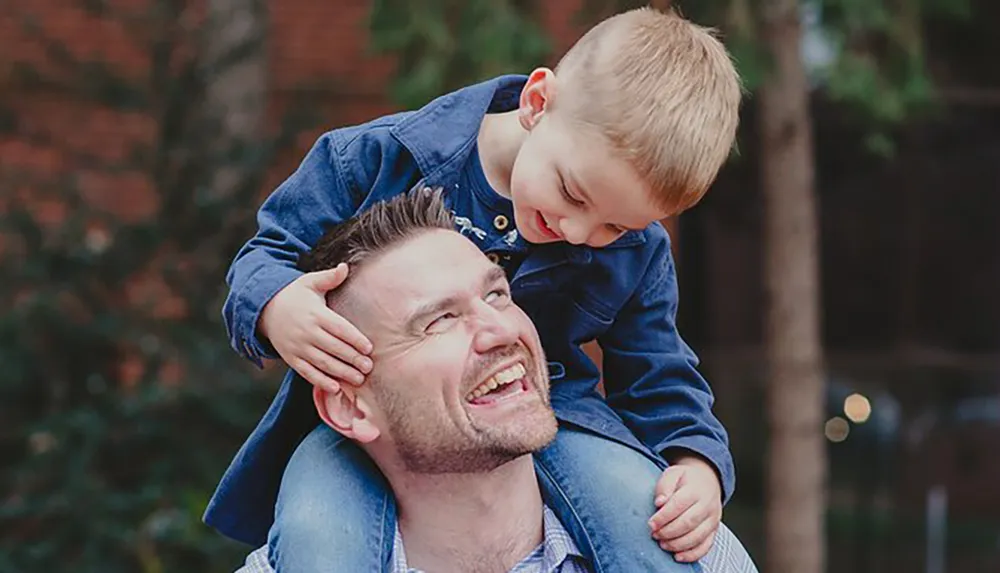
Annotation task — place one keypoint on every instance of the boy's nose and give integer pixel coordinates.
(576, 231)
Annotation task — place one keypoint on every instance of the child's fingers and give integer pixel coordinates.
(314, 376)
(688, 520)
(678, 503)
(333, 367)
(687, 541)
(698, 552)
(342, 328)
(667, 485)
(337, 348)
(327, 280)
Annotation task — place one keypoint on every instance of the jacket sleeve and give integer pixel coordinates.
(651, 378)
(317, 195)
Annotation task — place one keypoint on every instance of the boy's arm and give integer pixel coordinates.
(651, 379)
(317, 195)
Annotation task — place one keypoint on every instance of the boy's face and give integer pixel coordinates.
(568, 183)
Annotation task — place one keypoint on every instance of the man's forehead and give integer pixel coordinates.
(432, 264)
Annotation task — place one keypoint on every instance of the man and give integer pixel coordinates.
(457, 402)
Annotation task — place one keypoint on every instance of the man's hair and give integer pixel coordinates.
(664, 91)
(376, 229)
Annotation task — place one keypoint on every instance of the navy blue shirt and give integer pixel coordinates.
(624, 296)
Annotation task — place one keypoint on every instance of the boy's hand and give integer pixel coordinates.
(689, 502)
(319, 344)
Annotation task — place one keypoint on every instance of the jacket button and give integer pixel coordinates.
(501, 222)
(493, 257)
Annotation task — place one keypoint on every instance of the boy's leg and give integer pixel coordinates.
(602, 492)
(334, 511)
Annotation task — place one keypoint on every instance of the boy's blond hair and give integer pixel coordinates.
(664, 91)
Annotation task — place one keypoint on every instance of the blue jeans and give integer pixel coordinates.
(335, 512)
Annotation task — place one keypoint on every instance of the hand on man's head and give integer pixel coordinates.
(318, 343)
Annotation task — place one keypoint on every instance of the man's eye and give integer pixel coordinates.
(497, 295)
(441, 322)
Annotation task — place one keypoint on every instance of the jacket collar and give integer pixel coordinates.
(442, 132)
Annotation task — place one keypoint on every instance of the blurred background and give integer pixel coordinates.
(841, 281)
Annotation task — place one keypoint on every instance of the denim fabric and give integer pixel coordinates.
(336, 513)
(624, 296)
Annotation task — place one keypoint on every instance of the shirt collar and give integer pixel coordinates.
(557, 546)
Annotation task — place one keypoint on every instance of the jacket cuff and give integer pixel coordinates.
(260, 289)
(716, 453)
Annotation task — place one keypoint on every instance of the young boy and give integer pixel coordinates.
(560, 178)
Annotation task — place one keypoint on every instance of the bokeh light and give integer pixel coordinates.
(857, 408)
(836, 429)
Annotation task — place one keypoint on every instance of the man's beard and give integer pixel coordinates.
(425, 446)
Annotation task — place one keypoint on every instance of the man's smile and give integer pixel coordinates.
(508, 383)
(497, 382)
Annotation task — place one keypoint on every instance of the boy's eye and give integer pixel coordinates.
(567, 196)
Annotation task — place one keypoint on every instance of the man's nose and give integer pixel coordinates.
(494, 329)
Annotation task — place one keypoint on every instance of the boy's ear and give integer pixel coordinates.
(536, 97)
(346, 412)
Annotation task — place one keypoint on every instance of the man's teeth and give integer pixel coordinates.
(499, 379)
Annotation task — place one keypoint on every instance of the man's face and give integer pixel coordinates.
(460, 380)
(568, 183)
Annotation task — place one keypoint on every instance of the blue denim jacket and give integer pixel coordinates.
(624, 296)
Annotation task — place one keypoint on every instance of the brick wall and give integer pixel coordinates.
(58, 134)
(51, 132)
(309, 41)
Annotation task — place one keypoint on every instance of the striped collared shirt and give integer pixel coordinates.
(558, 554)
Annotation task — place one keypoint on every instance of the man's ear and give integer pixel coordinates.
(346, 412)
(536, 97)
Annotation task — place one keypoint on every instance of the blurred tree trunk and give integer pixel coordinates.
(236, 80)
(796, 464)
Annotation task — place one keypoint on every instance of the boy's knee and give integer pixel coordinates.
(329, 486)
(301, 516)
(604, 462)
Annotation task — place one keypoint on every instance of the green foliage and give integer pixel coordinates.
(443, 45)
(877, 65)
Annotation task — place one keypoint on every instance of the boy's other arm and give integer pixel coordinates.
(291, 220)
(651, 378)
